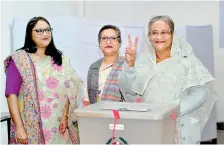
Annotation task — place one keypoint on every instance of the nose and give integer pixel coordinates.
(159, 36)
(108, 40)
(46, 33)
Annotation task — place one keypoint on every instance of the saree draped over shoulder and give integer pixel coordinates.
(111, 91)
(182, 78)
(44, 91)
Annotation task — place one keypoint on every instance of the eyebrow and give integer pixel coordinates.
(160, 31)
(109, 36)
(42, 28)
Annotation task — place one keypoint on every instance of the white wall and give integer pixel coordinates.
(129, 12)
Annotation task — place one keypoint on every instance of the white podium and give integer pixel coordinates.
(139, 123)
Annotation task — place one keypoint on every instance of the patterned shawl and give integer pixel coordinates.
(29, 101)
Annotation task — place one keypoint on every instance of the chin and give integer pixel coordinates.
(44, 44)
(158, 49)
(108, 53)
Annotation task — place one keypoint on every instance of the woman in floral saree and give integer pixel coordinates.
(41, 90)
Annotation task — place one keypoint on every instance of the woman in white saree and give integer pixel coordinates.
(168, 71)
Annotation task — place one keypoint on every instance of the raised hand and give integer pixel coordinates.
(130, 53)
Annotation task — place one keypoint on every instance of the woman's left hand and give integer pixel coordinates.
(63, 124)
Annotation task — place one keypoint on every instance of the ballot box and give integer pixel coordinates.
(139, 123)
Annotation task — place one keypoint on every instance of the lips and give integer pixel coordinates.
(160, 42)
(108, 47)
(45, 39)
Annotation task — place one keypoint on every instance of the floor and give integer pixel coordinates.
(220, 138)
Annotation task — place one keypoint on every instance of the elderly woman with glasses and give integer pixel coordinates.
(102, 79)
(168, 71)
(41, 90)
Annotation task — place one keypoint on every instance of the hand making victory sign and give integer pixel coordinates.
(130, 53)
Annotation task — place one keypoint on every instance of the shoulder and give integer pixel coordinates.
(66, 63)
(96, 64)
(191, 61)
(143, 58)
(16, 56)
(196, 69)
(19, 52)
(65, 59)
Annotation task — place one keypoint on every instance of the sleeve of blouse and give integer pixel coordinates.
(13, 80)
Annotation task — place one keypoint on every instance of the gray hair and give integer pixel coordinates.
(164, 18)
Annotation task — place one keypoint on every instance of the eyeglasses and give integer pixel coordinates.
(41, 31)
(163, 33)
(112, 39)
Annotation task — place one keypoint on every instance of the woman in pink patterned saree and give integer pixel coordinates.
(41, 90)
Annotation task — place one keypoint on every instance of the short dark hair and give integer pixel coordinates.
(110, 27)
(30, 46)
